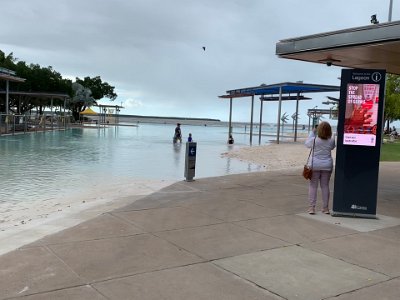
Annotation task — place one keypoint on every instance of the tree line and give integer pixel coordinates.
(82, 93)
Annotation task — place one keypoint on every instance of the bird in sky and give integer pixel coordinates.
(204, 48)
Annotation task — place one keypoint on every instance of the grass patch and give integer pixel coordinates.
(390, 151)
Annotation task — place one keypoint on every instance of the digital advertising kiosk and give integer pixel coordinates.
(359, 136)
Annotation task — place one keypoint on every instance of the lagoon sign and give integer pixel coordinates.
(359, 133)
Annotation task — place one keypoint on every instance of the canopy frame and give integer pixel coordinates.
(284, 91)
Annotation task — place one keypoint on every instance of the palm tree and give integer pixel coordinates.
(284, 119)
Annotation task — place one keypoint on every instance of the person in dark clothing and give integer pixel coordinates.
(178, 133)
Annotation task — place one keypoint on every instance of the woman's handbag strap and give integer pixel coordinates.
(311, 150)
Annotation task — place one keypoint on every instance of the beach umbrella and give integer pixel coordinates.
(88, 111)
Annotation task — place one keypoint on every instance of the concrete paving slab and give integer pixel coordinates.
(180, 186)
(388, 290)
(159, 199)
(146, 260)
(161, 219)
(274, 195)
(107, 258)
(295, 229)
(200, 282)
(232, 210)
(101, 227)
(210, 197)
(297, 273)
(221, 240)
(28, 271)
(284, 189)
(208, 184)
(392, 233)
(365, 250)
(270, 198)
(358, 224)
(79, 293)
(253, 179)
(288, 205)
(389, 207)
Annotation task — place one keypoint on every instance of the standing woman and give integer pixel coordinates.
(323, 142)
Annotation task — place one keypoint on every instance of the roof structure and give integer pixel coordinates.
(374, 46)
(11, 78)
(103, 111)
(283, 98)
(281, 88)
(9, 75)
(38, 94)
(275, 92)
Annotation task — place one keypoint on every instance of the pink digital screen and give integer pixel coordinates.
(361, 115)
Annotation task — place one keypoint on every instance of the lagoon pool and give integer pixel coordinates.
(44, 166)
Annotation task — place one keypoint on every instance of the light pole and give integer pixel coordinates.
(390, 10)
(314, 116)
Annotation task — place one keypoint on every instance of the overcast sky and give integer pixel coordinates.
(151, 50)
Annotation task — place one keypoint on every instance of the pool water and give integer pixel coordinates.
(44, 166)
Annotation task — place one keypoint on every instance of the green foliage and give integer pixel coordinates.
(47, 80)
(7, 61)
(392, 99)
(99, 88)
(87, 91)
(82, 98)
(38, 79)
(42, 79)
(390, 151)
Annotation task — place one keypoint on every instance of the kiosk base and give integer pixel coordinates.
(353, 215)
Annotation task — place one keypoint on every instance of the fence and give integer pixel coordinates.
(17, 124)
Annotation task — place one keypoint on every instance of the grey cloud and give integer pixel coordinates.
(152, 50)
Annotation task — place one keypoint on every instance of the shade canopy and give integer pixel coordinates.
(275, 92)
(88, 111)
(374, 46)
(11, 78)
(9, 75)
(284, 88)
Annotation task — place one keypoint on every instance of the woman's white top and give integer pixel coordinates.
(322, 157)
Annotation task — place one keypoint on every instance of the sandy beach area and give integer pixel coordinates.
(283, 156)
(26, 222)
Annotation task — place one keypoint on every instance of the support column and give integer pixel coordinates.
(279, 116)
(7, 96)
(65, 119)
(297, 115)
(51, 110)
(230, 118)
(261, 113)
(7, 118)
(251, 120)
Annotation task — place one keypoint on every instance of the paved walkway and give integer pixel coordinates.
(233, 237)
